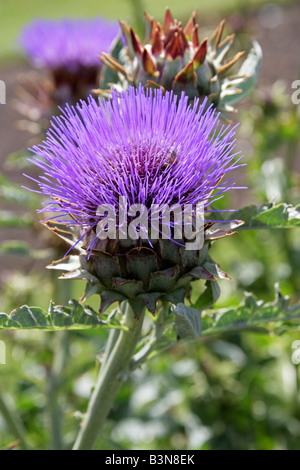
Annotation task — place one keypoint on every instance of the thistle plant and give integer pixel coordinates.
(99, 152)
(64, 55)
(131, 183)
(175, 57)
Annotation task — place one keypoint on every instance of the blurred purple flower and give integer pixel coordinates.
(68, 43)
(150, 147)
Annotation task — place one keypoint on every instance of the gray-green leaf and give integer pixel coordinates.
(251, 314)
(74, 317)
(269, 216)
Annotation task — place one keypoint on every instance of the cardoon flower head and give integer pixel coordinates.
(148, 148)
(175, 57)
(68, 43)
(67, 51)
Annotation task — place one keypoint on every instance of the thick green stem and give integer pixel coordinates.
(111, 342)
(109, 381)
(154, 339)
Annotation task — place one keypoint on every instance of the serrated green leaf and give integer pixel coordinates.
(251, 314)
(74, 317)
(269, 216)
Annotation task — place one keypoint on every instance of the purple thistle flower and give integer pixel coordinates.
(68, 43)
(149, 147)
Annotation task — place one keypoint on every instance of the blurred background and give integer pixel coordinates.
(229, 392)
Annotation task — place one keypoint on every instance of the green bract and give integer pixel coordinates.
(120, 270)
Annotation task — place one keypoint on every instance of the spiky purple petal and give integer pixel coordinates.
(150, 147)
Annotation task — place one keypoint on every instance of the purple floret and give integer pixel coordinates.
(68, 43)
(150, 147)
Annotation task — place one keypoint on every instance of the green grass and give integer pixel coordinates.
(16, 13)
